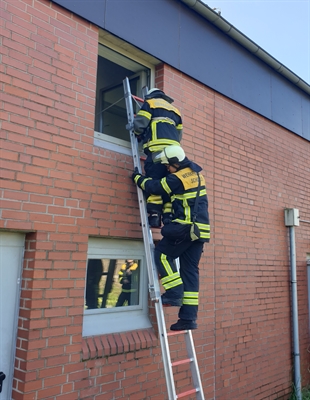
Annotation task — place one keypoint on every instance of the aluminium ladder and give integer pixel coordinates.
(154, 288)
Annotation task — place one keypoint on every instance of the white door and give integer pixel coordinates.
(11, 257)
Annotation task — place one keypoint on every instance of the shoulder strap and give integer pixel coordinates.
(196, 200)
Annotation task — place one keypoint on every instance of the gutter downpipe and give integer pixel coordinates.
(297, 377)
(292, 219)
(230, 30)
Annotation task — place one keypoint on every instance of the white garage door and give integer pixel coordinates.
(11, 257)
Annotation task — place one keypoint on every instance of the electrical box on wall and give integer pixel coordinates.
(291, 216)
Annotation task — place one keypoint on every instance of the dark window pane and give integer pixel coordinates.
(113, 68)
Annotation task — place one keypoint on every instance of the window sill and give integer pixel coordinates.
(117, 343)
(116, 145)
(111, 143)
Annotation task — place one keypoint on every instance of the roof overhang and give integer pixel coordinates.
(221, 23)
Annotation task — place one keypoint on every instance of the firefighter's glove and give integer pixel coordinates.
(167, 218)
(139, 179)
(136, 176)
(129, 127)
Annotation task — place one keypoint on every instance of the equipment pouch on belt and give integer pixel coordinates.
(176, 232)
(194, 232)
(179, 232)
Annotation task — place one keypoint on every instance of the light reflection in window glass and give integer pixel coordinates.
(112, 283)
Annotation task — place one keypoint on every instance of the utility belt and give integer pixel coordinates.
(181, 232)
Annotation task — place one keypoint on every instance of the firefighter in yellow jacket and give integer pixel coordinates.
(157, 124)
(184, 236)
(128, 277)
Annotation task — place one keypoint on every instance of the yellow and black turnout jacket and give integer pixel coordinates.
(181, 187)
(128, 277)
(159, 124)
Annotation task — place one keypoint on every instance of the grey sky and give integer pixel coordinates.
(281, 28)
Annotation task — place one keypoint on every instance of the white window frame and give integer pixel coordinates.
(106, 141)
(118, 319)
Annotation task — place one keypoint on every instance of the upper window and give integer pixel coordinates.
(116, 287)
(110, 111)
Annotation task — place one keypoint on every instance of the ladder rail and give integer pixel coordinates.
(149, 251)
(191, 352)
(154, 288)
(194, 365)
(147, 234)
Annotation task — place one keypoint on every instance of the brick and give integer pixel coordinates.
(14, 45)
(106, 345)
(92, 348)
(42, 394)
(119, 344)
(28, 178)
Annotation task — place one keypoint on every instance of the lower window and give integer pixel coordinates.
(115, 297)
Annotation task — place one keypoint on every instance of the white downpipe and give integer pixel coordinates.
(297, 378)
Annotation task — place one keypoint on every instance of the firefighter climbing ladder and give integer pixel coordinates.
(154, 289)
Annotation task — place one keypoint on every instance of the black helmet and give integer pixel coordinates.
(157, 93)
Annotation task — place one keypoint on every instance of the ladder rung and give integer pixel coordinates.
(174, 333)
(183, 394)
(185, 361)
(137, 98)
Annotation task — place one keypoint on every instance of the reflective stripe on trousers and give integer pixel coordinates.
(186, 284)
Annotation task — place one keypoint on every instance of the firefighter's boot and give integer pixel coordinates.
(184, 325)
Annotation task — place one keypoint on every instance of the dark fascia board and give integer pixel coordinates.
(236, 59)
(205, 11)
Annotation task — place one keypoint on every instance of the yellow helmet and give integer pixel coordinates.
(170, 155)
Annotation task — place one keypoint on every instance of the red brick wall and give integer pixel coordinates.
(59, 188)
(260, 172)
(254, 169)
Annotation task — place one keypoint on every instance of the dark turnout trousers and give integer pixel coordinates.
(183, 284)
